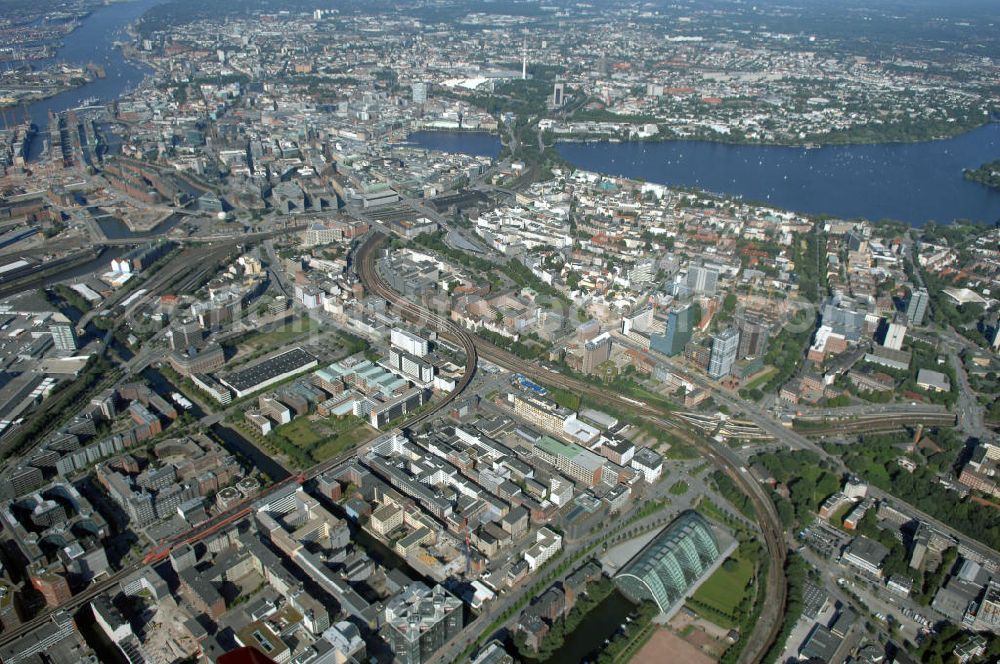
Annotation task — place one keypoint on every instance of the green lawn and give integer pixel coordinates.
(344, 441)
(282, 335)
(323, 439)
(837, 518)
(762, 376)
(722, 593)
(565, 398)
(299, 432)
(680, 451)
(679, 488)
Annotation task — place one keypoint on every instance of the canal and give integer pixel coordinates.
(230, 439)
(116, 229)
(240, 446)
(597, 628)
(164, 387)
(383, 555)
(86, 268)
(237, 444)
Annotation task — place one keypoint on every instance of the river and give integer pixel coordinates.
(911, 182)
(465, 142)
(94, 41)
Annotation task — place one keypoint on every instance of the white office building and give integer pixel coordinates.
(409, 342)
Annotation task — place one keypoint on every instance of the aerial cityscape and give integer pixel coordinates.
(497, 331)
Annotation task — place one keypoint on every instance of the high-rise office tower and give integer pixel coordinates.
(916, 308)
(725, 346)
(753, 338)
(680, 326)
(419, 620)
(596, 352)
(558, 95)
(418, 90)
(702, 280)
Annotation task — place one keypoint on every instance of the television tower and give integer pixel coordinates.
(524, 60)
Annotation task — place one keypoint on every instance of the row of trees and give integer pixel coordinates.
(435, 242)
(514, 270)
(810, 480)
(940, 648)
(525, 278)
(563, 627)
(276, 444)
(796, 572)
(732, 493)
(903, 130)
(810, 266)
(519, 348)
(877, 464)
(785, 353)
(747, 613)
(626, 642)
(61, 295)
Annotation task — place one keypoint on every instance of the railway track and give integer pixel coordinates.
(766, 630)
(365, 263)
(74, 603)
(242, 509)
(881, 423)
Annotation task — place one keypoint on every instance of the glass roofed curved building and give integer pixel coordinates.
(666, 568)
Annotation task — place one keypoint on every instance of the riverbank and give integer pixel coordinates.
(911, 183)
(858, 136)
(987, 175)
(95, 42)
(40, 94)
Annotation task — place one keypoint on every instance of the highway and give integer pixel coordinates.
(768, 626)
(969, 410)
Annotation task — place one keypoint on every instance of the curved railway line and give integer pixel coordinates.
(766, 631)
(365, 265)
(768, 626)
(243, 509)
